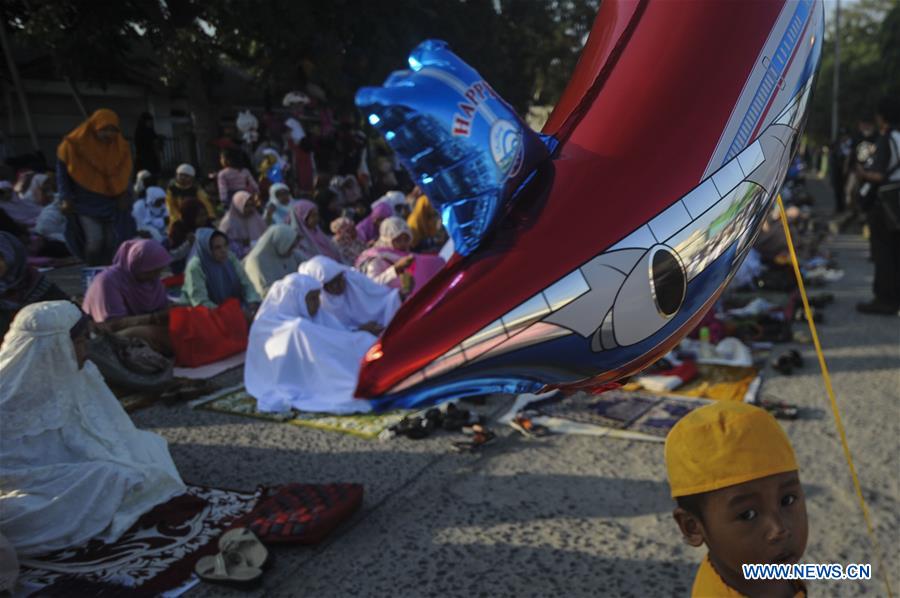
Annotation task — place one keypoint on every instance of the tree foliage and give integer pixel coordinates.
(525, 48)
(869, 65)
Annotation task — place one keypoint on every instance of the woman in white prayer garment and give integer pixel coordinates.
(73, 467)
(301, 357)
(352, 297)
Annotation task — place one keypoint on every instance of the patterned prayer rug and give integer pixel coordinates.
(643, 415)
(156, 556)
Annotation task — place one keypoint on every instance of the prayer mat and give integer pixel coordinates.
(155, 557)
(364, 425)
(721, 383)
(716, 382)
(617, 413)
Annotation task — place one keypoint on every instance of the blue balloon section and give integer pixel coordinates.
(465, 147)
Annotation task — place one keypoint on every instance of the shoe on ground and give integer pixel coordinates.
(877, 307)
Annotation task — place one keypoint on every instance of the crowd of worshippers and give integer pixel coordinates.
(234, 238)
(244, 241)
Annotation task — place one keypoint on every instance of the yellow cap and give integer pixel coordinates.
(724, 444)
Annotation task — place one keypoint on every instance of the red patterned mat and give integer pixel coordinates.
(156, 556)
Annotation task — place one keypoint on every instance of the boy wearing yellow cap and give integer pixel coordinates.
(734, 476)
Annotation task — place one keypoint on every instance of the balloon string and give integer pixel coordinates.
(834, 406)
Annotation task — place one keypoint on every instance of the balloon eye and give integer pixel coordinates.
(667, 282)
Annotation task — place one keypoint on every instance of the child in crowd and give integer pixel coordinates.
(734, 476)
(232, 178)
(184, 188)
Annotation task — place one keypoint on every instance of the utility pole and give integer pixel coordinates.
(835, 87)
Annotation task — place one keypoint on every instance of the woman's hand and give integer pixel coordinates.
(403, 263)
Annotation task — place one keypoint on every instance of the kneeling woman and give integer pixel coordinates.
(213, 275)
(349, 296)
(128, 298)
(73, 465)
(300, 357)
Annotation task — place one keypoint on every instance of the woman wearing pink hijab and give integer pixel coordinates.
(312, 241)
(242, 224)
(390, 262)
(367, 229)
(128, 298)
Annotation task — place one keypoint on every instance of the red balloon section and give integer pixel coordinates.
(673, 138)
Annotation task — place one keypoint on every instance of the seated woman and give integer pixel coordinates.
(128, 298)
(278, 210)
(20, 284)
(368, 227)
(389, 259)
(242, 224)
(305, 220)
(50, 228)
(73, 465)
(214, 275)
(397, 201)
(272, 258)
(21, 211)
(357, 302)
(150, 214)
(184, 188)
(300, 357)
(181, 232)
(346, 239)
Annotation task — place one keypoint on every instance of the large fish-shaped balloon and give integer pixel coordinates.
(668, 147)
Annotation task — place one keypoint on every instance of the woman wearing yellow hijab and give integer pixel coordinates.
(93, 169)
(424, 222)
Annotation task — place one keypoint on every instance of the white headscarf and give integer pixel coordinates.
(150, 213)
(282, 212)
(393, 199)
(295, 361)
(390, 229)
(34, 193)
(272, 258)
(73, 465)
(362, 302)
(140, 182)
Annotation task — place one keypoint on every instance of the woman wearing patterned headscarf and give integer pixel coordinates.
(305, 220)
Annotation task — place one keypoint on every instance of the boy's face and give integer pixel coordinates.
(760, 521)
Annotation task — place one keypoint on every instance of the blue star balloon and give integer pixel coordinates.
(464, 145)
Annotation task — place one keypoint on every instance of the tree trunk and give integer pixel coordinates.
(203, 119)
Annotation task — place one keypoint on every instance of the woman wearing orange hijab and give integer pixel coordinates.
(424, 222)
(93, 170)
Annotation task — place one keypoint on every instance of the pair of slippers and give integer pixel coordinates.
(239, 562)
(453, 420)
(481, 436)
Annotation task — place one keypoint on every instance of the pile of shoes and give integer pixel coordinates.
(452, 419)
